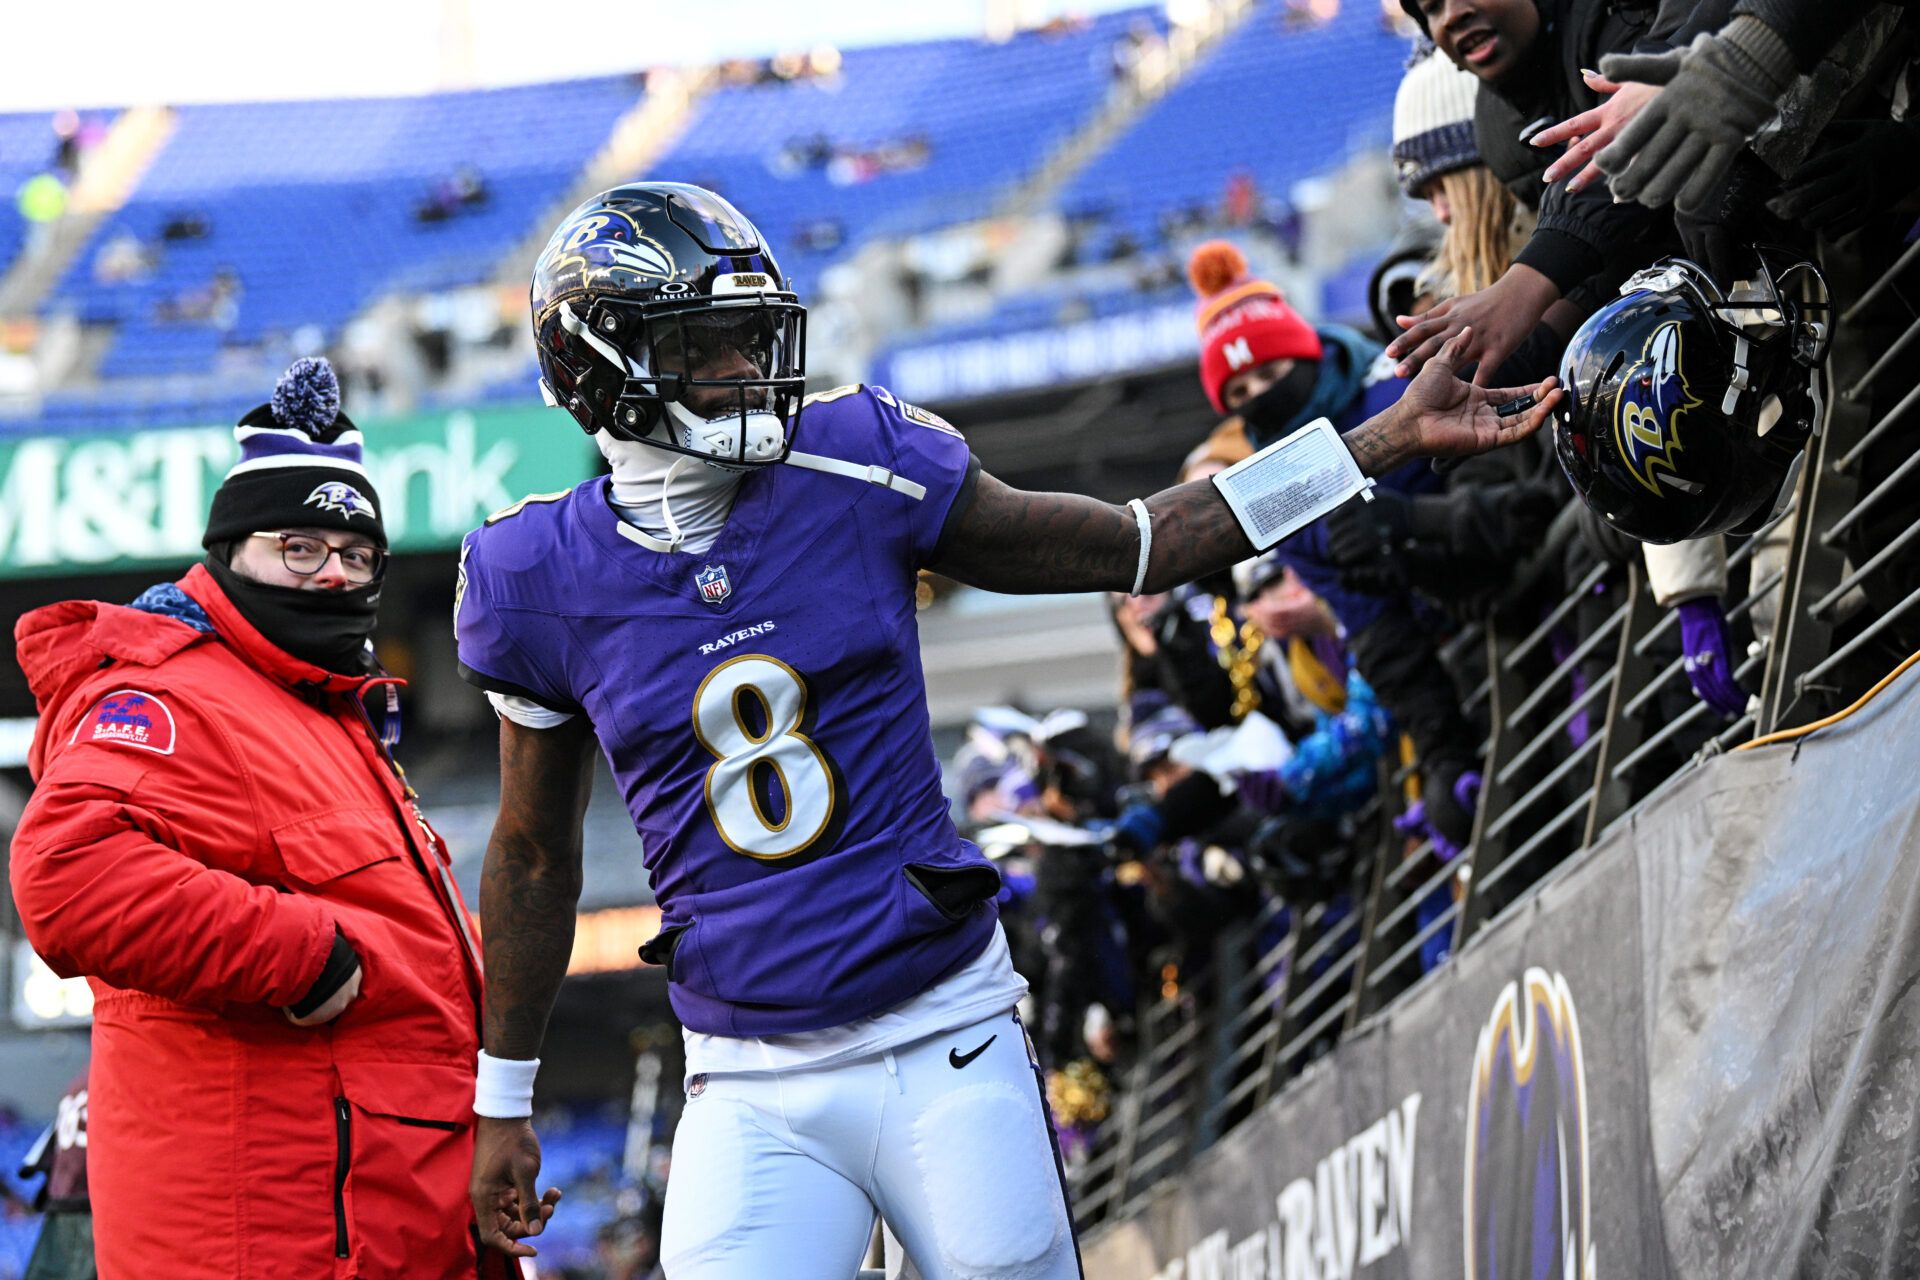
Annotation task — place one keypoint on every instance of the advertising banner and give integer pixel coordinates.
(103, 502)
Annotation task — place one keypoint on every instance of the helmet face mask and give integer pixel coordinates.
(1687, 405)
(660, 317)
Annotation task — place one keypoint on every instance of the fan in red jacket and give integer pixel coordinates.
(287, 985)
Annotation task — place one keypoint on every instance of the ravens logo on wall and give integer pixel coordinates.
(1526, 1189)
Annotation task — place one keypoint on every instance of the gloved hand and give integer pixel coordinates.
(1301, 860)
(1721, 234)
(1444, 813)
(1862, 168)
(1718, 92)
(1709, 656)
(1365, 539)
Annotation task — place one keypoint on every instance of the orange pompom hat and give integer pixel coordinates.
(1243, 322)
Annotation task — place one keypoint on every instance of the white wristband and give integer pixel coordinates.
(503, 1087)
(1143, 518)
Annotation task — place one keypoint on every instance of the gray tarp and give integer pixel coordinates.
(1732, 973)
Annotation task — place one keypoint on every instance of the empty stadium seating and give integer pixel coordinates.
(309, 209)
(1280, 100)
(312, 208)
(989, 113)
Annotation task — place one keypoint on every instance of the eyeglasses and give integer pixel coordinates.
(306, 555)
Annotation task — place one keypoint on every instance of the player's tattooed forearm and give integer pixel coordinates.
(530, 883)
(1372, 447)
(1194, 533)
(1011, 540)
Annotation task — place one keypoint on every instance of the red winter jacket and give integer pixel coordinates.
(208, 810)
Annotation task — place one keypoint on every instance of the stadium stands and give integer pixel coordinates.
(27, 148)
(1279, 99)
(268, 226)
(986, 113)
(268, 218)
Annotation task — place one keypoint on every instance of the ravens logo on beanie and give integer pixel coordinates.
(1433, 122)
(300, 465)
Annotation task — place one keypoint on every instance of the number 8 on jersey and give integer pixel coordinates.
(771, 791)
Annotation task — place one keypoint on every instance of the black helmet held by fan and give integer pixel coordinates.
(1686, 406)
(632, 295)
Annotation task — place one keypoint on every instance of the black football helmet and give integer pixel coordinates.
(1686, 406)
(635, 290)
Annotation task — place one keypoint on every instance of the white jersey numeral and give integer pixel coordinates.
(771, 791)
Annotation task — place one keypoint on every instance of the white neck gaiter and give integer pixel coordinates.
(678, 501)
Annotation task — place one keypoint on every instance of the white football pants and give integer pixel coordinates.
(779, 1173)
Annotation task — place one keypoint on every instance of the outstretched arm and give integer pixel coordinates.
(1014, 541)
(529, 891)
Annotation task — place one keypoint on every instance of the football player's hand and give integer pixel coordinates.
(1587, 133)
(1441, 416)
(1719, 91)
(506, 1161)
(1500, 317)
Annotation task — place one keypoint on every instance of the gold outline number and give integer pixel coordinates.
(803, 778)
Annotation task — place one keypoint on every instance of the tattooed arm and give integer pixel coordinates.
(530, 882)
(529, 891)
(1008, 540)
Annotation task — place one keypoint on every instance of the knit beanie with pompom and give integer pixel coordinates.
(1243, 322)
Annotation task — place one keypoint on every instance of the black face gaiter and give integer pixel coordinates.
(330, 629)
(1268, 414)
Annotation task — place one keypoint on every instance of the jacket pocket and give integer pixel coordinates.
(326, 846)
(412, 1153)
(342, 1166)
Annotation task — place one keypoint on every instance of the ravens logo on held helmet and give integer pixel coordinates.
(1686, 405)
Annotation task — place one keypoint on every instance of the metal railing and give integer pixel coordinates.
(1590, 714)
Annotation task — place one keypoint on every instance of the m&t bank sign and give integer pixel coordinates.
(103, 502)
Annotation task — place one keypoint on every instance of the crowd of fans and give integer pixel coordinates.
(1283, 730)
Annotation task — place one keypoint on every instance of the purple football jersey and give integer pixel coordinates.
(764, 711)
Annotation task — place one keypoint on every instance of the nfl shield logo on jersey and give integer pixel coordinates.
(713, 584)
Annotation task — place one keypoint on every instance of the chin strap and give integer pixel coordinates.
(872, 474)
(675, 535)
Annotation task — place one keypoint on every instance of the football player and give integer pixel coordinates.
(730, 615)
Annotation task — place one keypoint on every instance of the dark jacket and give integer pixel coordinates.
(1479, 545)
(1581, 234)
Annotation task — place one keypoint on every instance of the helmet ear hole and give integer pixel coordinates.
(1771, 411)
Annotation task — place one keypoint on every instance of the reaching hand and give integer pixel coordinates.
(1591, 130)
(1501, 317)
(1719, 91)
(506, 1160)
(1862, 168)
(1439, 416)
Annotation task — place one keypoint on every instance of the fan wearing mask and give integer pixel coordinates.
(287, 984)
(1261, 362)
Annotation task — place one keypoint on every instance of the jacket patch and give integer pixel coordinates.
(129, 718)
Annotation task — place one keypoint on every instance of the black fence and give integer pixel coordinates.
(1824, 593)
